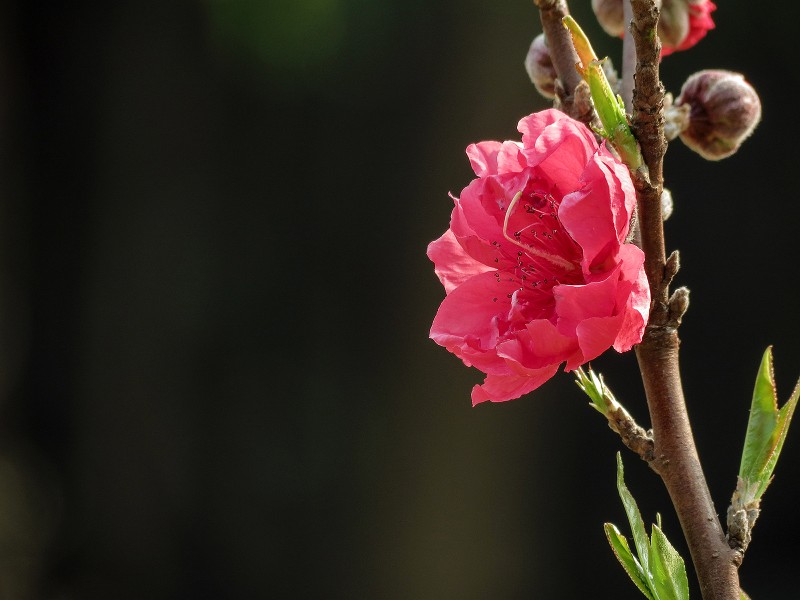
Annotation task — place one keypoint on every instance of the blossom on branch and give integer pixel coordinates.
(681, 23)
(535, 265)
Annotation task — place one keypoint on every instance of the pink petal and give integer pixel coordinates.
(539, 345)
(636, 301)
(452, 265)
(596, 224)
(595, 336)
(574, 303)
(495, 158)
(469, 313)
(483, 157)
(499, 388)
(559, 145)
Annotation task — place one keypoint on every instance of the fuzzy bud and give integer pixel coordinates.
(610, 16)
(723, 111)
(673, 22)
(683, 23)
(539, 66)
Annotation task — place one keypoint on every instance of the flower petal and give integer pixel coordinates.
(453, 266)
(470, 313)
(499, 388)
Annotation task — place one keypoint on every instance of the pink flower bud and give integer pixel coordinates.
(610, 16)
(683, 23)
(724, 111)
(673, 23)
(539, 66)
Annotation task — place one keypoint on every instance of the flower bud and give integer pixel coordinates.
(673, 22)
(683, 23)
(610, 16)
(723, 111)
(539, 66)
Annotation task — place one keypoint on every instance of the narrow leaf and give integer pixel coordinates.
(667, 568)
(761, 425)
(785, 415)
(622, 551)
(634, 518)
(766, 431)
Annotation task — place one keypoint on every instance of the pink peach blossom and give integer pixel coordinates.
(534, 265)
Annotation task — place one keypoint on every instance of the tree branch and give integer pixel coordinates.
(572, 93)
(676, 459)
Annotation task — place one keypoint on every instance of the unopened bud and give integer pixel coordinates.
(723, 111)
(610, 16)
(673, 22)
(539, 66)
(683, 23)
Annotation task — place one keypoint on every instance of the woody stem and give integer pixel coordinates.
(676, 459)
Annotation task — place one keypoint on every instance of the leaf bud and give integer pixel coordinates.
(539, 65)
(723, 111)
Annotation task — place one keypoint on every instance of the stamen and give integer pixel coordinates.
(554, 259)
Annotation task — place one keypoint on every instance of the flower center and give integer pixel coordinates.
(531, 223)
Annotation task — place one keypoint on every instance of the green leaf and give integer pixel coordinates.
(592, 386)
(668, 571)
(634, 518)
(785, 415)
(610, 108)
(763, 417)
(619, 545)
(766, 430)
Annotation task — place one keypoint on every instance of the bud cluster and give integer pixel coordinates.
(681, 24)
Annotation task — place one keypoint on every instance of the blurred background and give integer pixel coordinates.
(215, 375)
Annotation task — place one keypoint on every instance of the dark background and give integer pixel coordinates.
(215, 377)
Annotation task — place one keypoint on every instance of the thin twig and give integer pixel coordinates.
(631, 433)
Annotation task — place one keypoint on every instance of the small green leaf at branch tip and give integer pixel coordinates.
(581, 43)
(610, 108)
(592, 386)
(766, 432)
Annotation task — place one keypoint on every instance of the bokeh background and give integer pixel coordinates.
(215, 377)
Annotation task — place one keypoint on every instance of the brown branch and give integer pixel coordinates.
(628, 59)
(631, 433)
(676, 459)
(572, 92)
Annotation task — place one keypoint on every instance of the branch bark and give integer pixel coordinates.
(676, 459)
(573, 96)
